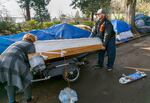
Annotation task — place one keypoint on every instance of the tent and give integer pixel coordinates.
(59, 31)
(120, 26)
(122, 29)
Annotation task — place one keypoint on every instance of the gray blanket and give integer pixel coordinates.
(14, 65)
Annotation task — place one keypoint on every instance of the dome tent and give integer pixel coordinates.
(122, 29)
(120, 26)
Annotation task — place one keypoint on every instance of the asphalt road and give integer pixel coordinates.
(101, 86)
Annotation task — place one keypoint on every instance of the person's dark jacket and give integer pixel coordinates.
(108, 32)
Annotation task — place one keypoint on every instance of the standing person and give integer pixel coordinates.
(104, 30)
(15, 68)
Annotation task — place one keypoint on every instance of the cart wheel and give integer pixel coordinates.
(72, 75)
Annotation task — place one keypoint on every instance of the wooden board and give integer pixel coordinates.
(54, 49)
(70, 51)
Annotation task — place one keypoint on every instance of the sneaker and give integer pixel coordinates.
(109, 69)
(98, 66)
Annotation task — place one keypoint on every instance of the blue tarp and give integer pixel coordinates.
(143, 17)
(64, 31)
(120, 26)
(143, 23)
(139, 16)
(67, 31)
(4, 43)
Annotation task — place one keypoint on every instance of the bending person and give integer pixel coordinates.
(15, 68)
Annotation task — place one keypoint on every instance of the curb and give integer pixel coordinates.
(132, 39)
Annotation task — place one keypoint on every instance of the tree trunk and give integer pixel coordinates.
(130, 11)
(28, 17)
(92, 16)
(130, 14)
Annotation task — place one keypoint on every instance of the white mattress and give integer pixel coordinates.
(50, 45)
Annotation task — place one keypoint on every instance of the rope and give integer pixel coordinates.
(62, 54)
(65, 70)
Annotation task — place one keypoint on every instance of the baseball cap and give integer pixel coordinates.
(100, 11)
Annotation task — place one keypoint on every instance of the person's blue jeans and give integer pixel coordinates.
(111, 53)
(11, 91)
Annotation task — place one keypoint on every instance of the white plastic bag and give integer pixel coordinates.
(67, 95)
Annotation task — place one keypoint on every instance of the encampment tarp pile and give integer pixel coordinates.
(142, 23)
(122, 29)
(60, 31)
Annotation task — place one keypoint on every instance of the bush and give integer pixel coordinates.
(3, 26)
(7, 27)
(47, 24)
(56, 22)
(73, 23)
(32, 24)
(29, 25)
(88, 23)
